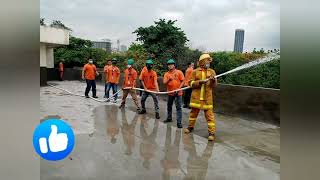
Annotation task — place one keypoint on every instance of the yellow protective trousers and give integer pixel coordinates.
(209, 117)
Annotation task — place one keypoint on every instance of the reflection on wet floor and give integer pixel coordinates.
(133, 126)
(197, 165)
(112, 125)
(126, 145)
(170, 162)
(148, 144)
(127, 130)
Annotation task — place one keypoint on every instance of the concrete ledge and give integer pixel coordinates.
(248, 102)
(54, 36)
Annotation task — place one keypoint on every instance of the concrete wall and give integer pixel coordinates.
(260, 104)
(50, 37)
(43, 55)
(46, 56)
(55, 36)
(248, 102)
(43, 76)
(49, 57)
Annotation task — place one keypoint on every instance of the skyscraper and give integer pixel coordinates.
(118, 45)
(238, 40)
(102, 45)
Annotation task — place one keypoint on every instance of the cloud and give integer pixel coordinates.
(208, 24)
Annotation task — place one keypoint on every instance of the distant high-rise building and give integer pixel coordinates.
(238, 40)
(118, 44)
(123, 48)
(105, 45)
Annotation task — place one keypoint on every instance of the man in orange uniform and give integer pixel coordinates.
(113, 76)
(89, 73)
(149, 80)
(174, 79)
(187, 94)
(130, 76)
(202, 83)
(141, 86)
(61, 69)
(105, 70)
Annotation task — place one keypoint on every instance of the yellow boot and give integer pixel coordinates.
(188, 130)
(211, 137)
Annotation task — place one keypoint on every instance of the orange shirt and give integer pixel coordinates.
(106, 67)
(149, 78)
(105, 70)
(130, 76)
(113, 74)
(90, 71)
(60, 67)
(143, 70)
(188, 76)
(177, 78)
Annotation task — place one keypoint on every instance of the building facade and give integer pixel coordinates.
(50, 38)
(238, 40)
(105, 45)
(123, 48)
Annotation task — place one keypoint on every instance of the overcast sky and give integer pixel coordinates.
(208, 24)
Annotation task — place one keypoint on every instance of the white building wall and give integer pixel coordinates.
(53, 35)
(49, 57)
(43, 55)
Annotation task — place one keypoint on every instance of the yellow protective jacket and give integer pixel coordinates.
(202, 97)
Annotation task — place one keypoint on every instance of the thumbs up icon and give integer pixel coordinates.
(57, 142)
(49, 143)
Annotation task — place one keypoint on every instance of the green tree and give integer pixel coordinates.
(59, 24)
(139, 54)
(224, 61)
(164, 40)
(264, 75)
(188, 56)
(100, 56)
(75, 54)
(42, 22)
(254, 50)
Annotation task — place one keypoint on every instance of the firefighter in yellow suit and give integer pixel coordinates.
(202, 83)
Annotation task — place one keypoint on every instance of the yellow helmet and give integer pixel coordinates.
(205, 56)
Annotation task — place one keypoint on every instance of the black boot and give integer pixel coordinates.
(167, 120)
(121, 106)
(157, 115)
(143, 111)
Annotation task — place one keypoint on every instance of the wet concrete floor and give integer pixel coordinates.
(120, 144)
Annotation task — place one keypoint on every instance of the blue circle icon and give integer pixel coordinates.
(53, 139)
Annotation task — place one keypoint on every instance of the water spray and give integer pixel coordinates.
(266, 59)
